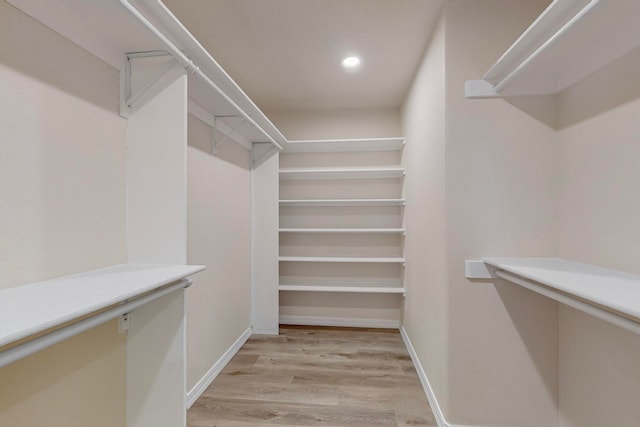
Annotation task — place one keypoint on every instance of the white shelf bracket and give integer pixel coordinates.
(229, 132)
(129, 95)
(479, 89)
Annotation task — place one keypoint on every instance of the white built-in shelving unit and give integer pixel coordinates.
(343, 202)
(165, 74)
(135, 35)
(341, 173)
(38, 315)
(341, 232)
(570, 40)
(610, 295)
(344, 230)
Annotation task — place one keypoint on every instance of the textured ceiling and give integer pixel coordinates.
(286, 54)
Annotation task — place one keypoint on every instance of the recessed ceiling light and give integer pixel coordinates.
(351, 62)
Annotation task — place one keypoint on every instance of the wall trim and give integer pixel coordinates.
(426, 385)
(340, 321)
(217, 367)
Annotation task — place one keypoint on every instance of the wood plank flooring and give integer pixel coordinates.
(315, 376)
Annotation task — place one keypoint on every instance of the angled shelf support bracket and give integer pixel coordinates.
(479, 89)
(131, 95)
(229, 133)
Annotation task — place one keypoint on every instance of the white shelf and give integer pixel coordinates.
(343, 202)
(345, 289)
(344, 145)
(341, 173)
(342, 259)
(570, 40)
(110, 29)
(608, 294)
(344, 230)
(31, 309)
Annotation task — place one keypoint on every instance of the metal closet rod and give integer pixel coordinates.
(564, 29)
(187, 63)
(600, 313)
(40, 343)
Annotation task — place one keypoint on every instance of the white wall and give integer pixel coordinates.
(219, 236)
(598, 210)
(62, 210)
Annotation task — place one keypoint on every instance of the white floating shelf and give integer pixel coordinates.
(344, 202)
(342, 259)
(343, 145)
(344, 230)
(341, 173)
(568, 41)
(31, 309)
(607, 294)
(345, 289)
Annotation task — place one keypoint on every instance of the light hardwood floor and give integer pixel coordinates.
(314, 376)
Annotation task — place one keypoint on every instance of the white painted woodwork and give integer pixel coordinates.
(610, 290)
(341, 173)
(264, 277)
(156, 364)
(109, 31)
(570, 40)
(31, 309)
(344, 230)
(348, 289)
(343, 202)
(157, 232)
(384, 260)
(345, 145)
(156, 190)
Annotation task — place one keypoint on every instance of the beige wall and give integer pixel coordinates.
(598, 210)
(500, 184)
(219, 236)
(425, 311)
(62, 210)
(338, 124)
(488, 179)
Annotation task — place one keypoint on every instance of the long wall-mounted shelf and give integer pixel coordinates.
(343, 289)
(610, 295)
(112, 29)
(382, 260)
(341, 173)
(343, 202)
(344, 230)
(568, 41)
(78, 302)
(345, 145)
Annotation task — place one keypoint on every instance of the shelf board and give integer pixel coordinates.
(389, 260)
(343, 202)
(109, 31)
(344, 230)
(611, 295)
(345, 289)
(341, 173)
(568, 41)
(345, 145)
(31, 309)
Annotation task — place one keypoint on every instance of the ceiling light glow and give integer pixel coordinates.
(351, 62)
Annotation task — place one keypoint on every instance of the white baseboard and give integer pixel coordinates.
(426, 385)
(217, 367)
(339, 321)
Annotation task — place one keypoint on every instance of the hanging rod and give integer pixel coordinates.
(594, 310)
(35, 345)
(186, 62)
